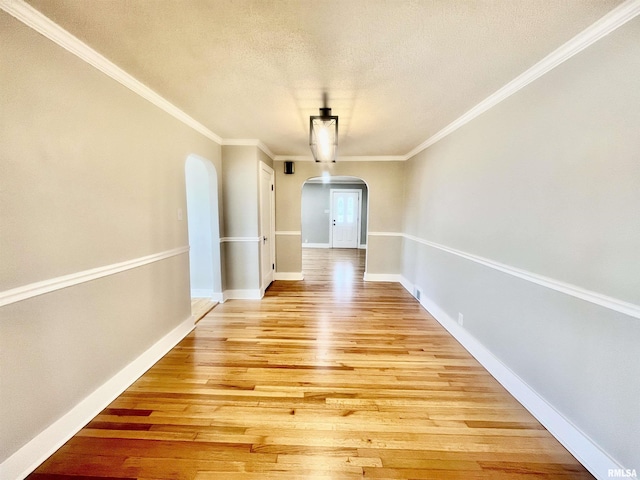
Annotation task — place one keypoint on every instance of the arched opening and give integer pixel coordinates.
(335, 214)
(204, 231)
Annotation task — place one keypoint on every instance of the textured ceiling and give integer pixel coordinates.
(395, 71)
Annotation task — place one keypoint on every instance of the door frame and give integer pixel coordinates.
(358, 213)
(272, 224)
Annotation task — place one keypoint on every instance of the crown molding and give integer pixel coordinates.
(342, 159)
(601, 28)
(604, 26)
(248, 142)
(46, 27)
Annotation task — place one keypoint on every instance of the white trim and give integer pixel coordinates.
(294, 233)
(248, 142)
(588, 453)
(342, 159)
(408, 286)
(607, 24)
(611, 303)
(46, 286)
(218, 297)
(316, 245)
(385, 234)
(27, 458)
(289, 276)
(43, 25)
(239, 239)
(382, 277)
(246, 294)
(362, 246)
(557, 285)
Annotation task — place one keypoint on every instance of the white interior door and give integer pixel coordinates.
(345, 218)
(267, 225)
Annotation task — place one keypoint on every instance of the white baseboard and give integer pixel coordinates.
(217, 297)
(316, 245)
(408, 286)
(248, 294)
(362, 246)
(291, 276)
(382, 277)
(210, 294)
(31, 455)
(581, 446)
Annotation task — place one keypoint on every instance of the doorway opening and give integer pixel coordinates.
(335, 213)
(205, 271)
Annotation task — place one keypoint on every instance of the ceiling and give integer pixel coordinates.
(395, 71)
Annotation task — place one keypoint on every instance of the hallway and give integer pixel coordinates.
(327, 378)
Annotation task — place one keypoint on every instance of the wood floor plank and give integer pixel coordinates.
(326, 378)
(200, 307)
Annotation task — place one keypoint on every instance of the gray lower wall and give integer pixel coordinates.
(57, 348)
(547, 182)
(242, 265)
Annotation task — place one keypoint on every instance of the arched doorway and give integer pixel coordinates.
(204, 230)
(335, 212)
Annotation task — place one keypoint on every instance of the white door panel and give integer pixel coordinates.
(267, 222)
(345, 218)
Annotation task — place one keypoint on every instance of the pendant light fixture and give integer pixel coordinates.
(323, 134)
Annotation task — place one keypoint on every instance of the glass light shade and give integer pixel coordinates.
(323, 137)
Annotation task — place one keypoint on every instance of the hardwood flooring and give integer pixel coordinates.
(200, 307)
(328, 378)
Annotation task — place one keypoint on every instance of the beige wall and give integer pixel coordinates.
(240, 191)
(384, 181)
(241, 217)
(548, 182)
(90, 175)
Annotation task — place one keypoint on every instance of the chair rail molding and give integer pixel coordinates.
(606, 301)
(46, 286)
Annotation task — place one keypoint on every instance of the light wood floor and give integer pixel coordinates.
(328, 378)
(200, 307)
